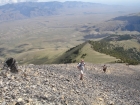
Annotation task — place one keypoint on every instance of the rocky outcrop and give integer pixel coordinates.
(60, 85)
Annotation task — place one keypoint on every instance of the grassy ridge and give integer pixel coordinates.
(105, 50)
(84, 51)
(70, 55)
(94, 56)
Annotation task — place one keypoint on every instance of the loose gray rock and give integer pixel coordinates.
(60, 85)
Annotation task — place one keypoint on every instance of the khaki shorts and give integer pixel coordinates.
(82, 72)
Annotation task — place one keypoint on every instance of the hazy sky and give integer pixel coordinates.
(123, 2)
(116, 2)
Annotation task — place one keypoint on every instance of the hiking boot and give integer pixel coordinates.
(81, 78)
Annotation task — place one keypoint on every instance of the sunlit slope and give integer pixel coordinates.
(84, 51)
(45, 56)
(94, 56)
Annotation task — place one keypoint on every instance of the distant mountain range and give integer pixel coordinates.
(129, 22)
(22, 10)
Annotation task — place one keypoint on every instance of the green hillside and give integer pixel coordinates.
(124, 47)
(113, 48)
(84, 51)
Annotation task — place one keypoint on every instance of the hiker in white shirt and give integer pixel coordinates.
(81, 67)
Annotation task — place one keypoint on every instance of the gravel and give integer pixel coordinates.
(59, 84)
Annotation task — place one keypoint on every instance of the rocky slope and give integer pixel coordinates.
(60, 85)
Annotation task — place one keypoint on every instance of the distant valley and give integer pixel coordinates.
(42, 32)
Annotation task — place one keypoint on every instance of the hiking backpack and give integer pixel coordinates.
(10, 63)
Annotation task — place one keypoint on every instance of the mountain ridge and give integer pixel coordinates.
(34, 9)
(84, 51)
(25, 10)
(129, 22)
